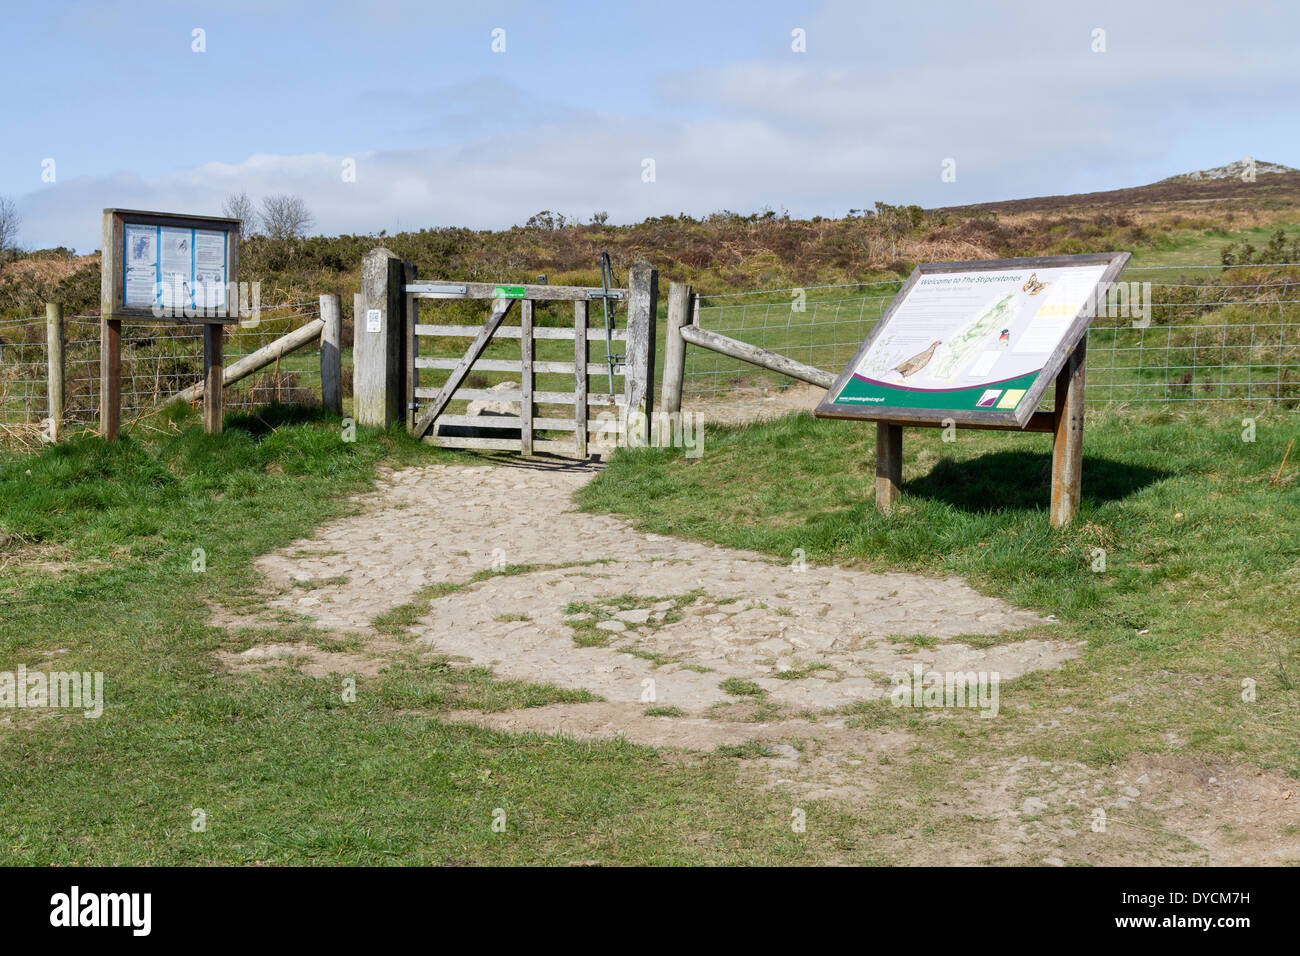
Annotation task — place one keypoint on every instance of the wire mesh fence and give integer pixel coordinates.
(158, 360)
(1224, 334)
(1234, 336)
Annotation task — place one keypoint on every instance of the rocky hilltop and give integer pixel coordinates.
(1235, 170)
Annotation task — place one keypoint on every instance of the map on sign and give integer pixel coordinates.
(971, 339)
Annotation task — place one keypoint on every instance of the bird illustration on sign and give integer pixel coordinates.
(918, 361)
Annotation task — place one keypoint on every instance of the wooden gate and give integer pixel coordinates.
(560, 377)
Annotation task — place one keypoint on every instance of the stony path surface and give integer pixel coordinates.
(631, 617)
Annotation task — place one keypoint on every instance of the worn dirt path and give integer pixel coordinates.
(677, 619)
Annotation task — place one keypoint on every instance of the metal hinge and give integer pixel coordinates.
(435, 289)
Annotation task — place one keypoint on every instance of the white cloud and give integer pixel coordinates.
(870, 112)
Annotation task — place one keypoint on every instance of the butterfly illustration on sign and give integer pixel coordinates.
(1033, 286)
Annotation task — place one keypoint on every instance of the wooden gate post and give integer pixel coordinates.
(526, 377)
(331, 358)
(639, 370)
(54, 363)
(379, 340)
(1067, 448)
(580, 358)
(680, 311)
(889, 465)
(358, 317)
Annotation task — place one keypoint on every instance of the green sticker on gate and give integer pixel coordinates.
(508, 292)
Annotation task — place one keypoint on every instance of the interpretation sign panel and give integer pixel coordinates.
(168, 267)
(973, 341)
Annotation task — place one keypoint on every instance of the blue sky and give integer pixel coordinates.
(444, 131)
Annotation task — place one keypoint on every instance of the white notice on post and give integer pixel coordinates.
(210, 270)
(176, 265)
(372, 320)
(140, 266)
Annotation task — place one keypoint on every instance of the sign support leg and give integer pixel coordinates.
(1067, 449)
(889, 465)
(110, 378)
(213, 378)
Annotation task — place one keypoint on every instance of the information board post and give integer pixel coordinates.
(889, 465)
(167, 268)
(1067, 445)
(213, 379)
(110, 378)
(977, 345)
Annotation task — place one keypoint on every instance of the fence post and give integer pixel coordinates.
(331, 358)
(54, 361)
(639, 370)
(379, 340)
(679, 314)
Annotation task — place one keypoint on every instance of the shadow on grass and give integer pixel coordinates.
(259, 422)
(1022, 481)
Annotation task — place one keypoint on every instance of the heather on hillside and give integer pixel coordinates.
(723, 251)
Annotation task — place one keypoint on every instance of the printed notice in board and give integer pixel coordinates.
(139, 266)
(209, 279)
(175, 264)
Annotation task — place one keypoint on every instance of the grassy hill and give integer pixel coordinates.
(1173, 222)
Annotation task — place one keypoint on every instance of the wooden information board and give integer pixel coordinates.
(977, 344)
(166, 267)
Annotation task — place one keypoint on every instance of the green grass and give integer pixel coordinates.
(807, 670)
(742, 688)
(1195, 248)
(96, 553)
(1199, 591)
(664, 712)
(585, 618)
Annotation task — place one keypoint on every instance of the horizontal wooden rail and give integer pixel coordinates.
(488, 290)
(512, 365)
(246, 366)
(1038, 422)
(754, 355)
(504, 421)
(540, 398)
(567, 448)
(514, 332)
